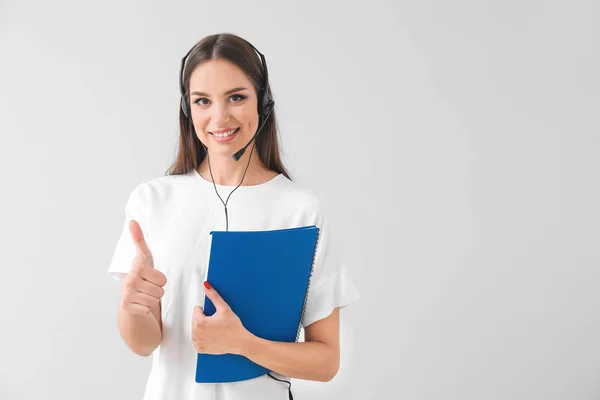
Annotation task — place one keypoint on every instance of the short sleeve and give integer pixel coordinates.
(331, 283)
(124, 251)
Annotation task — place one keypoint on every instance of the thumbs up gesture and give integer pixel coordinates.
(142, 286)
(220, 333)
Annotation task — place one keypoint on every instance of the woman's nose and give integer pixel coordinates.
(221, 114)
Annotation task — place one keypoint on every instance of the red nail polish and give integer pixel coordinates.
(207, 285)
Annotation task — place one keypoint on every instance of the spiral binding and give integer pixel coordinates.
(312, 267)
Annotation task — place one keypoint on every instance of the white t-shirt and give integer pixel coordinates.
(176, 214)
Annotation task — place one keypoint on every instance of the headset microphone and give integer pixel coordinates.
(268, 109)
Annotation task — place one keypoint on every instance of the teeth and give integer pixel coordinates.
(225, 134)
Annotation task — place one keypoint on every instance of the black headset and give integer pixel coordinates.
(265, 107)
(265, 102)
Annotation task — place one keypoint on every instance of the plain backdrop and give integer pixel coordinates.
(454, 144)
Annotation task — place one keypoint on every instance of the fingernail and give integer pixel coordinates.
(207, 285)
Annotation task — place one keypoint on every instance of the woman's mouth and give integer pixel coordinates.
(225, 136)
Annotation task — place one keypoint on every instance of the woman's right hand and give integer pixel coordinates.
(141, 290)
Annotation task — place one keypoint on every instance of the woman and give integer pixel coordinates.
(226, 106)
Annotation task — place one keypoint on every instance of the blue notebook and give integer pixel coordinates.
(264, 276)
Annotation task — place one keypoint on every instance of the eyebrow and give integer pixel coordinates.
(237, 89)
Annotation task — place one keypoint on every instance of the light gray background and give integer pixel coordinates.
(454, 145)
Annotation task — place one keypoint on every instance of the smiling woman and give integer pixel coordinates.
(226, 105)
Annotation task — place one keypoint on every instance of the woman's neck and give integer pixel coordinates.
(227, 172)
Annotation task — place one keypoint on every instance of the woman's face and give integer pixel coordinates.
(222, 98)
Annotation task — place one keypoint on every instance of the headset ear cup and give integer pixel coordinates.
(264, 100)
(183, 107)
(268, 108)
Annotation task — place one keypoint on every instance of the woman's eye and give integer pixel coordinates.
(199, 100)
(240, 96)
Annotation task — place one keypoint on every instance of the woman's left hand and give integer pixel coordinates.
(220, 333)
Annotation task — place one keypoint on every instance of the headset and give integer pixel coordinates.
(265, 107)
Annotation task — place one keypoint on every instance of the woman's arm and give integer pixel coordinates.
(316, 359)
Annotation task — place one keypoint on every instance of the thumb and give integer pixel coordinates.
(138, 238)
(215, 297)
(198, 313)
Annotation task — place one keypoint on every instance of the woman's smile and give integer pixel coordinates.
(224, 137)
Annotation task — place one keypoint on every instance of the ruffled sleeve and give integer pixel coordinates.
(331, 284)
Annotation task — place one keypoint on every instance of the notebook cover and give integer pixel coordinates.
(264, 276)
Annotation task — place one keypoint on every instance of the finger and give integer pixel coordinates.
(215, 297)
(151, 289)
(138, 238)
(139, 309)
(154, 276)
(144, 299)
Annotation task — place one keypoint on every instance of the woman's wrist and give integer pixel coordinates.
(247, 343)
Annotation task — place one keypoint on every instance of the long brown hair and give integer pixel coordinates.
(232, 48)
